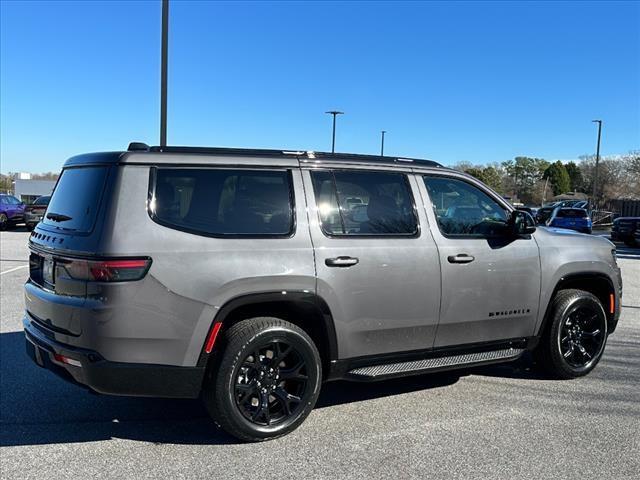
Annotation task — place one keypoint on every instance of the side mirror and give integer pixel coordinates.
(521, 223)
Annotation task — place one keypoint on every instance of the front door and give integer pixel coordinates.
(490, 280)
(376, 261)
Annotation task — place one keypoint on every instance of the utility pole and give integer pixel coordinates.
(382, 143)
(163, 72)
(595, 174)
(333, 141)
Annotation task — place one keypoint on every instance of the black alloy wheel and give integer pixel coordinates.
(271, 382)
(263, 378)
(582, 335)
(574, 336)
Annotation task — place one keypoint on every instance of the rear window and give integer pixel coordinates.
(76, 199)
(222, 202)
(571, 213)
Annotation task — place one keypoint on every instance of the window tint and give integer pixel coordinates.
(364, 203)
(76, 198)
(462, 209)
(42, 201)
(224, 202)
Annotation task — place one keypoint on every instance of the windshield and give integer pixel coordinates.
(9, 200)
(76, 198)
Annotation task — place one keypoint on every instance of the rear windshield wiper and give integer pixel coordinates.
(58, 217)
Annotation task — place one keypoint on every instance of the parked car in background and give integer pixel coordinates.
(544, 213)
(624, 228)
(636, 236)
(571, 218)
(11, 211)
(33, 212)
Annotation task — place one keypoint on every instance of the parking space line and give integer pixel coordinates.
(14, 269)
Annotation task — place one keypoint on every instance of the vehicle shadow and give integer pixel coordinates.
(37, 407)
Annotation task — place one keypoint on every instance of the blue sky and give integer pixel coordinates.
(475, 81)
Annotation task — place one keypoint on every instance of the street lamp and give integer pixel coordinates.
(163, 72)
(333, 141)
(382, 143)
(595, 174)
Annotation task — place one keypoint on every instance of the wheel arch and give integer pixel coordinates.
(597, 283)
(304, 309)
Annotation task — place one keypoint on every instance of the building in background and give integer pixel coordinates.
(27, 190)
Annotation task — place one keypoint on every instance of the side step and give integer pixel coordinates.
(375, 372)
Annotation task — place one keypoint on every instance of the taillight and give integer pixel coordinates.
(116, 270)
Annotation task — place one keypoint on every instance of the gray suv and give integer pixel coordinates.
(249, 277)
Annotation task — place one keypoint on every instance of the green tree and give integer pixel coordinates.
(558, 178)
(476, 172)
(575, 177)
(489, 175)
(524, 172)
(493, 178)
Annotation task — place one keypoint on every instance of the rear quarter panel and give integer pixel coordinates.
(167, 315)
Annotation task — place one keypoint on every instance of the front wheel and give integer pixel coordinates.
(575, 336)
(265, 380)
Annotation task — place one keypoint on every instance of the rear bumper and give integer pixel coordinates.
(91, 370)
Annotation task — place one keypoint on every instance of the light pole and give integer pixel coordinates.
(335, 113)
(382, 143)
(163, 72)
(595, 174)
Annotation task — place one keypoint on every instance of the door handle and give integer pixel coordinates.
(341, 262)
(461, 258)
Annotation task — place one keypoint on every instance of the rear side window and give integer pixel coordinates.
(364, 203)
(221, 202)
(76, 199)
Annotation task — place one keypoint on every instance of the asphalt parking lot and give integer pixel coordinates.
(496, 422)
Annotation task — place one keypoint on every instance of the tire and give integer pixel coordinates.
(4, 221)
(577, 323)
(235, 384)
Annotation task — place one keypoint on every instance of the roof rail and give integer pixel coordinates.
(301, 154)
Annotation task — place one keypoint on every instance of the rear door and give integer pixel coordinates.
(490, 280)
(376, 262)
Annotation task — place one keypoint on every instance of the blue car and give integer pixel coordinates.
(572, 219)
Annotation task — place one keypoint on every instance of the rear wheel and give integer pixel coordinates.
(265, 380)
(575, 336)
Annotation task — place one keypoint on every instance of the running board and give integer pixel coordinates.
(430, 364)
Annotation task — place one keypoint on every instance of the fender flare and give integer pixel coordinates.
(298, 297)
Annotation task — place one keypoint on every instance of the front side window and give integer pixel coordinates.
(219, 202)
(463, 209)
(364, 203)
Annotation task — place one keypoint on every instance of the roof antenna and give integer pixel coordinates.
(138, 147)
